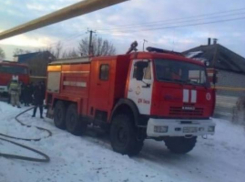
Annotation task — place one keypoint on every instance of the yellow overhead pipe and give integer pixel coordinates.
(72, 11)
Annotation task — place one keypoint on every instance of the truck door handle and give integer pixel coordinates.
(146, 86)
(98, 84)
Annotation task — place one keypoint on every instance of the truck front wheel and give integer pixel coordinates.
(73, 123)
(180, 145)
(123, 136)
(59, 115)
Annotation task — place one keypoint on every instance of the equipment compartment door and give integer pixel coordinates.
(100, 90)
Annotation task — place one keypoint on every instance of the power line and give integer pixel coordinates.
(173, 22)
(150, 29)
(181, 18)
(180, 26)
(68, 39)
(184, 19)
(181, 22)
(193, 24)
(162, 21)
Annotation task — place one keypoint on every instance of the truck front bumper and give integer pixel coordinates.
(179, 127)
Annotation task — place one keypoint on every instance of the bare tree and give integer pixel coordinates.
(100, 47)
(2, 54)
(70, 54)
(56, 51)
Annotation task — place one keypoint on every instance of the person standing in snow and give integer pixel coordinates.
(44, 87)
(31, 92)
(22, 95)
(38, 97)
(15, 91)
(27, 95)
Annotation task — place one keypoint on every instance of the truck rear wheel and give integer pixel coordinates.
(123, 136)
(59, 115)
(73, 123)
(180, 145)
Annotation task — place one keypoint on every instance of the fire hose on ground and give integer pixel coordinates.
(11, 156)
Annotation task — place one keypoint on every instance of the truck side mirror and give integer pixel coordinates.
(30, 72)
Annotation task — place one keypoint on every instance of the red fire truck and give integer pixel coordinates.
(9, 69)
(137, 96)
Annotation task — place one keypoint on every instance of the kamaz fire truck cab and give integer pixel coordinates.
(142, 95)
(171, 90)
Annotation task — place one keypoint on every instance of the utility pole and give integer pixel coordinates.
(90, 48)
(215, 52)
(214, 58)
(144, 41)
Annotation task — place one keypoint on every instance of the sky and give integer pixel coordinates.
(169, 24)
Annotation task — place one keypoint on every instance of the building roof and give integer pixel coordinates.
(13, 63)
(218, 57)
(23, 58)
(4, 60)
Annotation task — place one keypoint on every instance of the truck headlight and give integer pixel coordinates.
(211, 129)
(160, 129)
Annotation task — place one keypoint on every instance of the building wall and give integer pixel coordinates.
(230, 79)
(38, 67)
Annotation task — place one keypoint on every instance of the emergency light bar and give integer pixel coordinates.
(158, 50)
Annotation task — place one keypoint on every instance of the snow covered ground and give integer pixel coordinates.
(220, 158)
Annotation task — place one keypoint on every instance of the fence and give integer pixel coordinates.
(230, 108)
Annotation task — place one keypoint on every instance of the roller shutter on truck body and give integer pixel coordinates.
(53, 85)
(68, 80)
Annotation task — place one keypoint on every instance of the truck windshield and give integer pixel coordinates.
(10, 69)
(180, 72)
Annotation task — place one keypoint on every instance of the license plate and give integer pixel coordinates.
(190, 129)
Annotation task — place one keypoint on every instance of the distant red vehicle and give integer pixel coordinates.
(9, 69)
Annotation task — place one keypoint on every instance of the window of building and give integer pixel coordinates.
(104, 72)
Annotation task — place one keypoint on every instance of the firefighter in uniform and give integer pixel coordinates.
(15, 91)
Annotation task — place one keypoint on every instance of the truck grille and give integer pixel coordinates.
(178, 111)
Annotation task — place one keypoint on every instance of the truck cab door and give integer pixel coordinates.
(141, 84)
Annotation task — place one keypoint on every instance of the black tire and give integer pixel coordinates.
(180, 145)
(73, 123)
(60, 115)
(123, 136)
